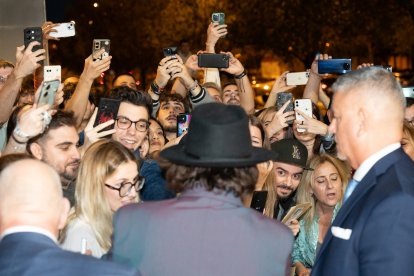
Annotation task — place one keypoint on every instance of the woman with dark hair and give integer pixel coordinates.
(156, 137)
(265, 179)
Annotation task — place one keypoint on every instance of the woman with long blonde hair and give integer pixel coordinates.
(107, 179)
(323, 187)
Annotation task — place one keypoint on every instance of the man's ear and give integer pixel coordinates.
(36, 150)
(64, 214)
(361, 122)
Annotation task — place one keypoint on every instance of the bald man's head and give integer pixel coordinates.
(31, 194)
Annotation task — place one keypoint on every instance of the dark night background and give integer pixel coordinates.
(291, 31)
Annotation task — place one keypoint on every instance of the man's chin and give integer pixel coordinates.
(283, 196)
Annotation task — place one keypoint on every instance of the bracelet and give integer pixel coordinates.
(241, 75)
(21, 134)
(156, 89)
(17, 141)
(194, 86)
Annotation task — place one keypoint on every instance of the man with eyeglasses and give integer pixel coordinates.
(131, 128)
(131, 124)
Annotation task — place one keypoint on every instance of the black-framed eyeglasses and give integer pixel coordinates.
(126, 187)
(125, 123)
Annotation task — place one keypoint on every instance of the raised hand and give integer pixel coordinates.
(27, 61)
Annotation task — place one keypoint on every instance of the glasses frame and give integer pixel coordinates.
(132, 122)
(139, 183)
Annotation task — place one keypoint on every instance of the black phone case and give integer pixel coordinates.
(183, 123)
(281, 99)
(33, 34)
(259, 201)
(213, 61)
(107, 110)
(169, 51)
(334, 66)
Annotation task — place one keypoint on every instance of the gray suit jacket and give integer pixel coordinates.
(200, 233)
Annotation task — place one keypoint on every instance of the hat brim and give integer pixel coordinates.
(177, 155)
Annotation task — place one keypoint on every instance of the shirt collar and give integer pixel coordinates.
(28, 228)
(370, 161)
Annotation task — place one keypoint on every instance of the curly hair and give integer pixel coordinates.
(238, 181)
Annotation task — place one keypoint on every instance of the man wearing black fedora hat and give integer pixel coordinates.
(206, 230)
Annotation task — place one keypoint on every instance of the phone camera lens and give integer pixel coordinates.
(48, 87)
(347, 66)
(215, 17)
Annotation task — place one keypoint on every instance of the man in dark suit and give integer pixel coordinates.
(206, 230)
(32, 210)
(373, 232)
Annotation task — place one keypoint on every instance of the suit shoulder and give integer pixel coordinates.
(97, 266)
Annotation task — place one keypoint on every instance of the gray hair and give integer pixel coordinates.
(380, 84)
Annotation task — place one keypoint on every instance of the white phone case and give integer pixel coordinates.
(305, 105)
(52, 72)
(64, 30)
(297, 78)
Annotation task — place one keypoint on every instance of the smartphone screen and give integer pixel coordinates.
(183, 123)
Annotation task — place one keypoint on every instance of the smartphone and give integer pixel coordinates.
(107, 110)
(259, 201)
(64, 30)
(213, 60)
(48, 93)
(281, 99)
(98, 44)
(183, 123)
(52, 72)
(169, 51)
(408, 92)
(218, 17)
(304, 105)
(334, 66)
(297, 78)
(33, 34)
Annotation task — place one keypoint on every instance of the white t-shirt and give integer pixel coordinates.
(78, 230)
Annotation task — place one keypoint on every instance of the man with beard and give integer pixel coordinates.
(58, 147)
(170, 106)
(288, 169)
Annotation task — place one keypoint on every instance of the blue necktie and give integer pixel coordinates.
(350, 188)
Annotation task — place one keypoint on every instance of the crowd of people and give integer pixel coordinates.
(131, 197)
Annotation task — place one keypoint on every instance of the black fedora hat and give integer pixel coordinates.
(218, 137)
